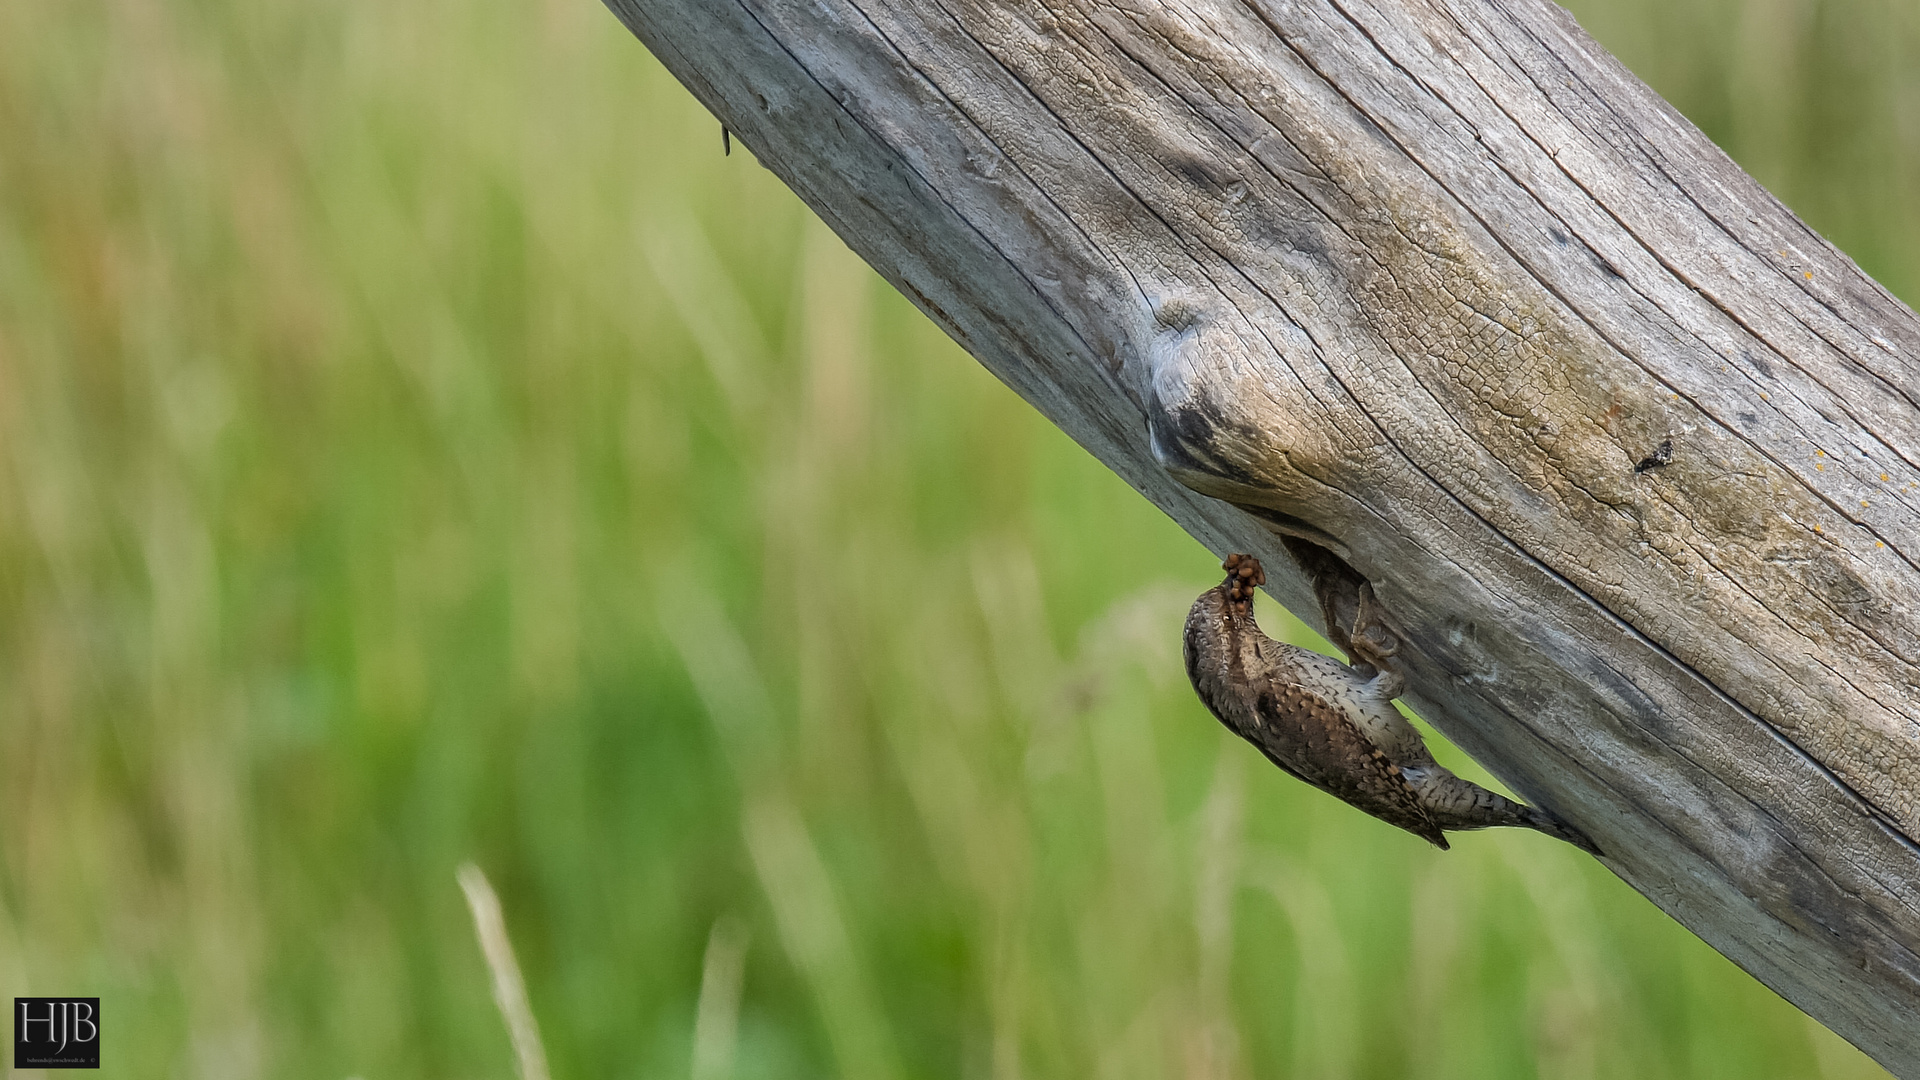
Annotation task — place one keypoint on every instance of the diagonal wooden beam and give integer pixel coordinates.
(1629, 453)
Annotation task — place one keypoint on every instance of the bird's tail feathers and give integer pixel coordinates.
(1541, 820)
(1459, 805)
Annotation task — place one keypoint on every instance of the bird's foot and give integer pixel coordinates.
(1371, 642)
(1387, 684)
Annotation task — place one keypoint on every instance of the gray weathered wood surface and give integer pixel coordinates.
(1427, 280)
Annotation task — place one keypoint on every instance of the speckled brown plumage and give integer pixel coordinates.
(1332, 725)
(1308, 737)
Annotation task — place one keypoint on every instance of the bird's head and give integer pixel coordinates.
(1244, 575)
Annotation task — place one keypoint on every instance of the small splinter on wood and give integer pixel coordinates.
(1332, 725)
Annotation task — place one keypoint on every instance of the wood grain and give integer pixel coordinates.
(1426, 282)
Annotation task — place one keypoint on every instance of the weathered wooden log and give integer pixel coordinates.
(1439, 290)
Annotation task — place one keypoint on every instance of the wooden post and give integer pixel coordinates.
(1630, 454)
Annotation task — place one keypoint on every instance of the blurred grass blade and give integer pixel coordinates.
(801, 891)
(1325, 1001)
(709, 303)
(723, 671)
(715, 1025)
(509, 990)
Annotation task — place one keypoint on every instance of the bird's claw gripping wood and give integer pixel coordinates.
(1332, 725)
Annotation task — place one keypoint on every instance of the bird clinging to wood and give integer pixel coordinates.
(1332, 725)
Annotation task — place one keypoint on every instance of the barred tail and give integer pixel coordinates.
(1560, 830)
(1458, 805)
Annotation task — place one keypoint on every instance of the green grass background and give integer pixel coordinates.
(418, 443)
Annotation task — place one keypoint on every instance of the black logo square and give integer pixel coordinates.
(56, 1033)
